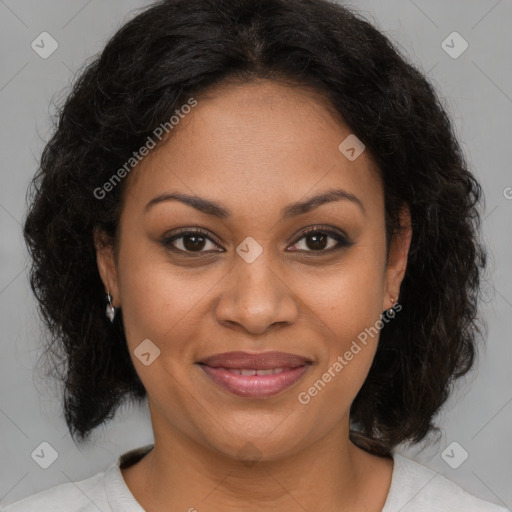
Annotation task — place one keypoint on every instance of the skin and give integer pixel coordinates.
(254, 148)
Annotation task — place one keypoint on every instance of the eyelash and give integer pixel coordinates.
(342, 240)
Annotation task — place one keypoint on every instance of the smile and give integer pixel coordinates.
(255, 383)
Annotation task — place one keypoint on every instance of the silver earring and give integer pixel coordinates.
(111, 310)
(391, 311)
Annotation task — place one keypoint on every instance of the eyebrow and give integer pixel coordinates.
(215, 209)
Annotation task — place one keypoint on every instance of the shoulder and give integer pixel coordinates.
(416, 488)
(103, 491)
(86, 495)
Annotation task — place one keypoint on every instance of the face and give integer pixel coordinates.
(253, 279)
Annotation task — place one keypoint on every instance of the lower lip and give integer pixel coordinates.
(255, 386)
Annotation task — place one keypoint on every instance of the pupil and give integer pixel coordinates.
(316, 237)
(198, 240)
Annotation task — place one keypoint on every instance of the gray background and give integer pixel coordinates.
(477, 92)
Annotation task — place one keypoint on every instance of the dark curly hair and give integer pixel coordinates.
(176, 49)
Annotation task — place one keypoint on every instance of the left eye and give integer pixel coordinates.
(318, 241)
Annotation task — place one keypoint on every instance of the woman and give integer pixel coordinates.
(256, 216)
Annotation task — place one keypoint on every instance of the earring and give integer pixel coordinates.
(111, 310)
(391, 311)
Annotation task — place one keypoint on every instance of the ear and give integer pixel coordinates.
(397, 260)
(106, 265)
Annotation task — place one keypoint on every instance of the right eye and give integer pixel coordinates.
(188, 241)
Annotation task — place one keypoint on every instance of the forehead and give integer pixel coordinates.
(260, 142)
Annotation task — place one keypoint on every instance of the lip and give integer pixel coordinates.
(255, 386)
(224, 370)
(256, 360)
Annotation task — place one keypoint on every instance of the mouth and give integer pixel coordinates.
(255, 375)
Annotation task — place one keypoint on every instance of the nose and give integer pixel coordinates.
(256, 297)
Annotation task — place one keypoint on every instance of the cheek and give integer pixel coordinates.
(161, 304)
(155, 297)
(348, 296)
(347, 303)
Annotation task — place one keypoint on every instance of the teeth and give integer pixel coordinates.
(270, 371)
(251, 371)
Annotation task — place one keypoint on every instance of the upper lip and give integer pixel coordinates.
(256, 361)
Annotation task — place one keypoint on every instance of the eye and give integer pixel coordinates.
(189, 241)
(317, 240)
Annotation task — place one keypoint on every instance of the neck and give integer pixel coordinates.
(330, 474)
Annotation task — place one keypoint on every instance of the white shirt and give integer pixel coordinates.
(414, 488)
